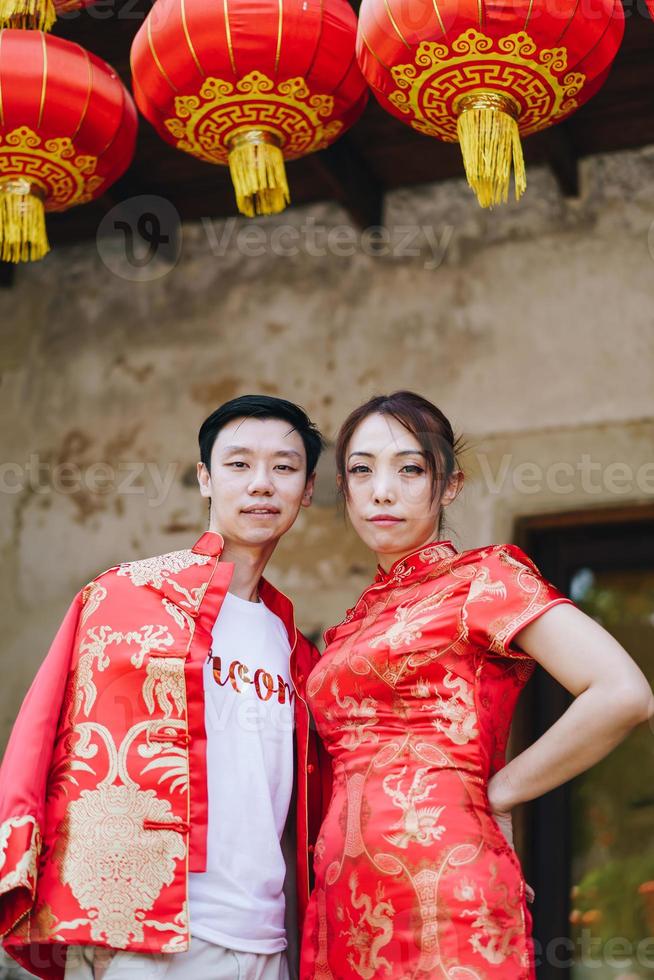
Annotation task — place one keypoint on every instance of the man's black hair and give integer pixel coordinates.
(262, 407)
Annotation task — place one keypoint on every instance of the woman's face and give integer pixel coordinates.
(389, 499)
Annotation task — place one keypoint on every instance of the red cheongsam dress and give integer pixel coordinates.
(413, 699)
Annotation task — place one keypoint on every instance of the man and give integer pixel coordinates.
(149, 776)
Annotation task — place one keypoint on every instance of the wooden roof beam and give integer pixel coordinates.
(7, 275)
(352, 182)
(563, 159)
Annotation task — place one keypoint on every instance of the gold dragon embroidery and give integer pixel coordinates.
(377, 918)
(419, 825)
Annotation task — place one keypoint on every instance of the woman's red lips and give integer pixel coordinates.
(385, 519)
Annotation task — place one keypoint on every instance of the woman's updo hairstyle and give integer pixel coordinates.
(424, 420)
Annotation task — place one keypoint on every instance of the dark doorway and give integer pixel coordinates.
(588, 847)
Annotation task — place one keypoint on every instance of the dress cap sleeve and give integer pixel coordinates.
(506, 593)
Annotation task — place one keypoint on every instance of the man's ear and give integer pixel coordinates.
(308, 490)
(204, 479)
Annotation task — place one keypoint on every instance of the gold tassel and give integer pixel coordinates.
(256, 164)
(488, 132)
(36, 15)
(23, 237)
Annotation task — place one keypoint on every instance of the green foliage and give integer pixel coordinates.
(612, 891)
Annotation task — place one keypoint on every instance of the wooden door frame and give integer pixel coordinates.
(543, 827)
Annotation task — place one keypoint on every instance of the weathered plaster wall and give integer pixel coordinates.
(532, 327)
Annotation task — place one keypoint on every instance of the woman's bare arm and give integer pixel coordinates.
(611, 696)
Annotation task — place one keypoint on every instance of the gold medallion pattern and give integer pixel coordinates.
(66, 177)
(441, 75)
(205, 123)
(114, 866)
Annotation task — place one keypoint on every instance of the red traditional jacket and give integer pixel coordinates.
(103, 793)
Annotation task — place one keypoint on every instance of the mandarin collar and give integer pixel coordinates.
(426, 556)
(210, 543)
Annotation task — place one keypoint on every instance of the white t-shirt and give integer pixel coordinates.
(239, 902)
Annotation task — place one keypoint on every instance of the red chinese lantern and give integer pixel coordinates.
(485, 72)
(67, 132)
(38, 15)
(249, 84)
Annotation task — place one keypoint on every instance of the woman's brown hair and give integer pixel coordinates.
(423, 420)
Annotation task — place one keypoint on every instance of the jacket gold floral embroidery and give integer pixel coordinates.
(103, 799)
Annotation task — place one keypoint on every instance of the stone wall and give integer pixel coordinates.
(532, 327)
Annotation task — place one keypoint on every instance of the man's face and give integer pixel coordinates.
(257, 482)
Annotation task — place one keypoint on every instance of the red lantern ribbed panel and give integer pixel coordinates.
(61, 92)
(277, 76)
(533, 62)
(67, 126)
(301, 37)
(389, 36)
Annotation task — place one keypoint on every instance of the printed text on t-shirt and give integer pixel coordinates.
(265, 685)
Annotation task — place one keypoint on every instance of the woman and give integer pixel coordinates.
(416, 876)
